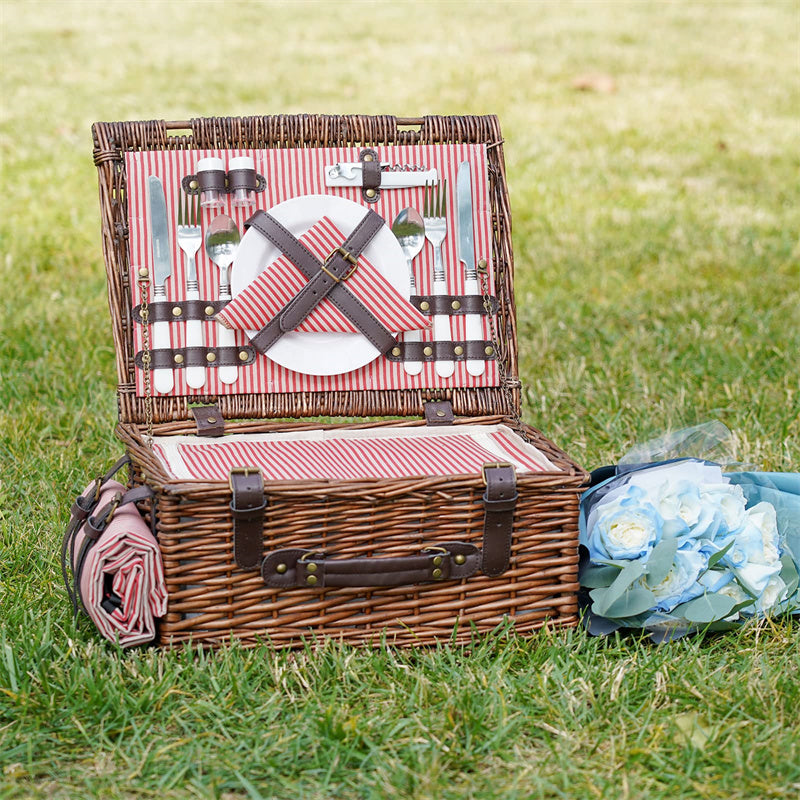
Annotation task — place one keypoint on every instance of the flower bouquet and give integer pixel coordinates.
(677, 546)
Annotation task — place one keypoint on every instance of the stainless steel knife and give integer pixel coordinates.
(466, 254)
(163, 379)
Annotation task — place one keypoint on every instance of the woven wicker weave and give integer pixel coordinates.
(210, 598)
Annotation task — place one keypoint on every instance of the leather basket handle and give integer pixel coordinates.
(293, 568)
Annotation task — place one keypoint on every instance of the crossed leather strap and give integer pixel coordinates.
(324, 280)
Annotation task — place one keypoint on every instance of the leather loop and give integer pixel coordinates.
(294, 568)
(247, 511)
(209, 420)
(438, 412)
(370, 175)
(321, 283)
(499, 500)
(242, 179)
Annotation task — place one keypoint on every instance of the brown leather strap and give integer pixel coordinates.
(499, 501)
(307, 568)
(242, 179)
(180, 357)
(247, 509)
(335, 289)
(209, 420)
(370, 175)
(442, 351)
(189, 309)
(452, 305)
(438, 412)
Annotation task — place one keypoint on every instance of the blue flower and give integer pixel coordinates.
(627, 527)
(755, 555)
(681, 583)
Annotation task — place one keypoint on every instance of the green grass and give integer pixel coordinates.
(658, 285)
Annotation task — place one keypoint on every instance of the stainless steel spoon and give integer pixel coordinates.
(409, 230)
(222, 241)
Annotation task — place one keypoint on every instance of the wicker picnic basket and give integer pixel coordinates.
(406, 523)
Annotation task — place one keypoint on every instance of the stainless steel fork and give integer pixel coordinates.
(434, 214)
(190, 237)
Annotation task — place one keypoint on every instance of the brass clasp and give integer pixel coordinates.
(494, 465)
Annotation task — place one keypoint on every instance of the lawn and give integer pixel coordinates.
(657, 284)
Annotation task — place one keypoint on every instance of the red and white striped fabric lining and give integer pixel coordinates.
(322, 455)
(291, 173)
(279, 283)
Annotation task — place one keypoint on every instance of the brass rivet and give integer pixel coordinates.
(177, 311)
(209, 311)
(211, 420)
(143, 273)
(424, 305)
(489, 351)
(396, 351)
(428, 351)
(311, 567)
(440, 413)
(311, 580)
(178, 358)
(455, 305)
(193, 184)
(243, 355)
(437, 561)
(210, 357)
(482, 263)
(369, 157)
(280, 569)
(460, 559)
(458, 350)
(370, 193)
(437, 573)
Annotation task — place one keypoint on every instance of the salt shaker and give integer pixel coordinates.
(242, 181)
(211, 178)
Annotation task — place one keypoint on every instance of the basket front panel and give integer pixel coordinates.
(210, 597)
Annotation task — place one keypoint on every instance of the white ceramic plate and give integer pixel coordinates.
(320, 353)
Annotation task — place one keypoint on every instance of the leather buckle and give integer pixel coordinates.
(493, 465)
(112, 508)
(241, 471)
(347, 256)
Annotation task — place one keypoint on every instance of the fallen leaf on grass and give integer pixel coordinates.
(694, 729)
(595, 82)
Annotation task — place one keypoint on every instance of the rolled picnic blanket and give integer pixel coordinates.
(117, 573)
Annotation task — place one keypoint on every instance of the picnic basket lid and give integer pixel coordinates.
(116, 143)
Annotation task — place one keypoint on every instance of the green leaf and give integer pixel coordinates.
(707, 608)
(635, 600)
(604, 598)
(712, 560)
(596, 577)
(789, 574)
(661, 560)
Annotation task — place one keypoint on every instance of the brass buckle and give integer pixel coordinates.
(347, 256)
(241, 471)
(112, 508)
(318, 555)
(493, 465)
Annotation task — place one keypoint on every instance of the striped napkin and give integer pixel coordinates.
(259, 302)
(122, 578)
